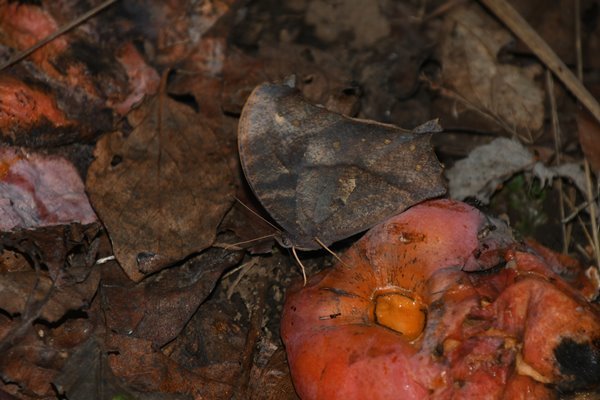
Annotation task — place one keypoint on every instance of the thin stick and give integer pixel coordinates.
(592, 211)
(244, 268)
(576, 211)
(515, 22)
(20, 56)
(588, 174)
(557, 146)
(578, 52)
(299, 263)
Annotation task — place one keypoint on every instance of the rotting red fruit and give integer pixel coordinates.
(513, 329)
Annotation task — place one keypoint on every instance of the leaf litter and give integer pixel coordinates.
(165, 186)
(138, 307)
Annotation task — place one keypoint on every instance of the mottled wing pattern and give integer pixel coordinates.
(320, 174)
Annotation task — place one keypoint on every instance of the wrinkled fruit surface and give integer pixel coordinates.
(401, 318)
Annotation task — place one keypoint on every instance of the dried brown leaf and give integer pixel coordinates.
(68, 281)
(588, 130)
(363, 19)
(201, 345)
(508, 93)
(87, 375)
(161, 191)
(158, 308)
(45, 295)
(273, 381)
(32, 364)
(160, 373)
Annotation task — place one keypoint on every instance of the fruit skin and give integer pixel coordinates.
(490, 334)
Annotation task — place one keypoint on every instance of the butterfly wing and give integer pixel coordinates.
(270, 151)
(320, 174)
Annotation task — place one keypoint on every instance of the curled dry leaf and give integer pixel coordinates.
(488, 166)
(507, 93)
(37, 190)
(161, 191)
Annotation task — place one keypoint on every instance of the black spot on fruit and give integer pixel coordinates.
(580, 362)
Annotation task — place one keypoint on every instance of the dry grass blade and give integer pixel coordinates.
(244, 268)
(566, 229)
(590, 195)
(20, 56)
(595, 240)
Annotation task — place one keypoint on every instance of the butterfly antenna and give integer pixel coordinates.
(256, 214)
(299, 263)
(236, 246)
(324, 246)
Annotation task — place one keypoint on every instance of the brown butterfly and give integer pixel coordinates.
(323, 176)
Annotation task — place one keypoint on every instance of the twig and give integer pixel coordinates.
(578, 52)
(575, 212)
(591, 198)
(515, 22)
(21, 55)
(245, 267)
(592, 210)
(557, 146)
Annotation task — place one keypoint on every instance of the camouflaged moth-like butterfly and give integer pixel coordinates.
(325, 176)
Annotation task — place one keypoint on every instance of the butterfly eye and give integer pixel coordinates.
(286, 241)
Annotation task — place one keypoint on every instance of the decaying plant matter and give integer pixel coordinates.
(440, 302)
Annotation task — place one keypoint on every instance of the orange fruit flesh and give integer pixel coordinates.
(401, 314)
